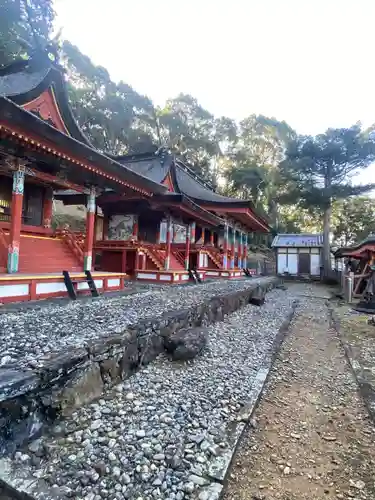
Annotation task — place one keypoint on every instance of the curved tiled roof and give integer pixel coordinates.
(152, 166)
(194, 188)
(22, 82)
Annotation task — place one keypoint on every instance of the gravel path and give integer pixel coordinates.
(28, 335)
(154, 435)
(313, 438)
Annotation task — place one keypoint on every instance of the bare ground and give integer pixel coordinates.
(311, 437)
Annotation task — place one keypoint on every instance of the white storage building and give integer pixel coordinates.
(298, 254)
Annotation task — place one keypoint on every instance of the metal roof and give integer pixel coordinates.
(298, 240)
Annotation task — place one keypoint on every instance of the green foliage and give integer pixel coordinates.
(353, 219)
(25, 25)
(253, 171)
(320, 168)
(114, 117)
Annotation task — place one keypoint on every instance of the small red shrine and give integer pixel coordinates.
(359, 260)
(157, 220)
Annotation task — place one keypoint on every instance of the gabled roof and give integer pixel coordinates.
(35, 113)
(357, 249)
(163, 167)
(37, 85)
(303, 240)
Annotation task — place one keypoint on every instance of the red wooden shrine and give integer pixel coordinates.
(159, 220)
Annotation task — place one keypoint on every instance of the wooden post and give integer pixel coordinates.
(233, 247)
(169, 240)
(90, 224)
(16, 220)
(187, 246)
(123, 261)
(226, 238)
(240, 251)
(212, 238)
(192, 232)
(244, 263)
(135, 227)
(48, 208)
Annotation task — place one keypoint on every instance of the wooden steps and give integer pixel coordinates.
(46, 255)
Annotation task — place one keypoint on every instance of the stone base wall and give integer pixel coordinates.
(31, 400)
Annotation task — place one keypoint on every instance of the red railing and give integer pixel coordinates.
(215, 256)
(180, 257)
(74, 240)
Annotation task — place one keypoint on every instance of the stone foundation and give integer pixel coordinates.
(31, 400)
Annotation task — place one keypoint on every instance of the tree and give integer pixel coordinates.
(353, 219)
(115, 118)
(195, 134)
(255, 155)
(25, 26)
(320, 169)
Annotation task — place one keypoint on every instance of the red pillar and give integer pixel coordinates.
(212, 238)
(226, 238)
(240, 251)
(16, 220)
(192, 232)
(187, 246)
(48, 208)
(137, 256)
(90, 225)
(105, 226)
(169, 240)
(123, 262)
(244, 260)
(233, 248)
(135, 227)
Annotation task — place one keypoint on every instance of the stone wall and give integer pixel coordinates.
(30, 400)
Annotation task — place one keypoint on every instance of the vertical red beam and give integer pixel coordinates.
(212, 238)
(123, 262)
(90, 225)
(240, 251)
(187, 246)
(233, 247)
(226, 238)
(105, 226)
(168, 243)
(16, 220)
(48, 208)
(244, 263)
(135, 227)
(192, 232)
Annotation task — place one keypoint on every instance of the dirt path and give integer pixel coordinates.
(312, 437)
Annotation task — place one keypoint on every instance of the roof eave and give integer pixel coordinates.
(13, 115)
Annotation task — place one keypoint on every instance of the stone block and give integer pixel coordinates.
(186, 343)
(60, 365)
(84, 386)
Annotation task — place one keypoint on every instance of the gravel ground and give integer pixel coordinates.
(28, 334)
(154, 435)
(313, 438)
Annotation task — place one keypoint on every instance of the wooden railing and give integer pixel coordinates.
(180, 257)
(75, 242)
(215, 256)
(155, 255)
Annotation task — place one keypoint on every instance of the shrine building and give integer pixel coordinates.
(149, 217)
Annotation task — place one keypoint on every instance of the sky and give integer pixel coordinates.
(308, 62)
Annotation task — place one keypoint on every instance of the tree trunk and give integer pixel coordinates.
(326, 242)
